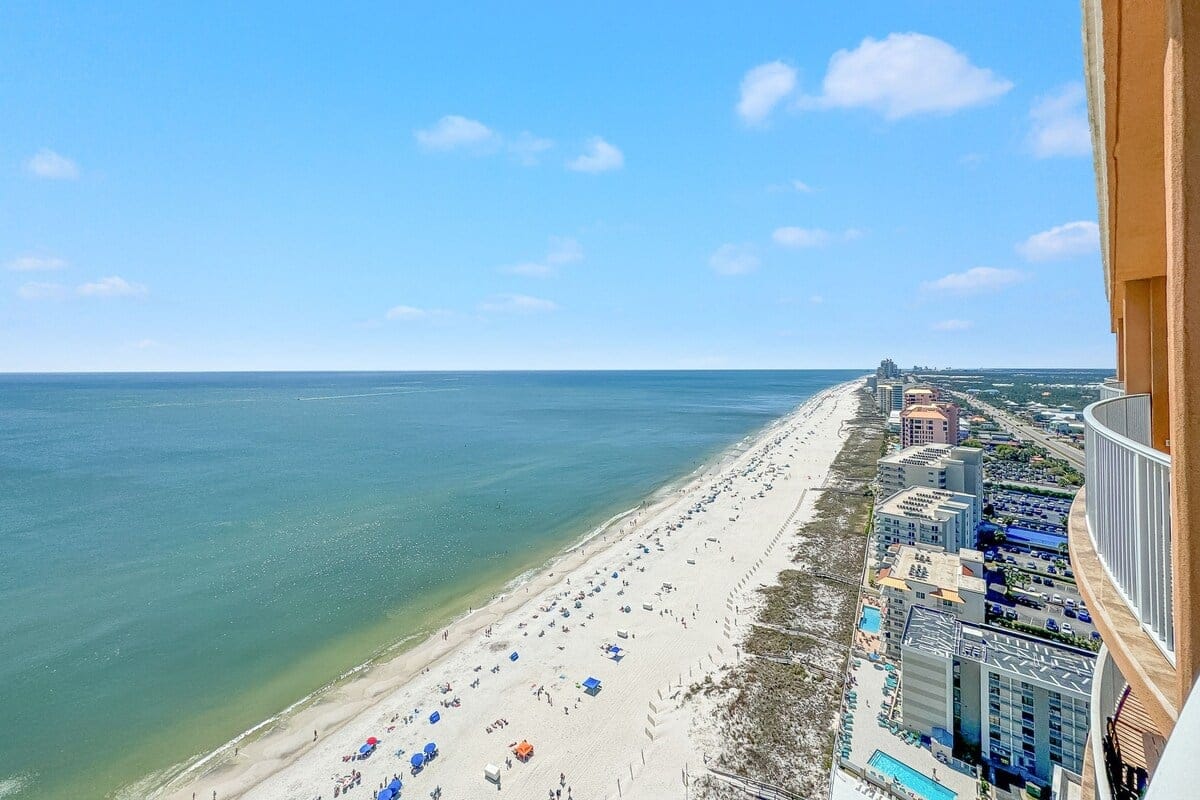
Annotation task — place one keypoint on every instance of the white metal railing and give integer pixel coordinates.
(1111, 388)
(1129, 510)
(1107, 687)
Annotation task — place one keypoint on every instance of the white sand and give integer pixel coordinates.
(633, 731)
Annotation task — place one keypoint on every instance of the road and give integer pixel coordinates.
(1072, 455)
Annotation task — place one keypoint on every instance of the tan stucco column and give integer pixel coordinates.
(1138, 358)
(1182, 166)
(1160, 399)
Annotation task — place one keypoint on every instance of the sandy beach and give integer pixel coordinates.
(669, 585)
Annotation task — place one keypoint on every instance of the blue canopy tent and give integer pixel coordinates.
(591, 686)
(616, 653)
(430, 750)
(395, 786)
(513, 656)
(434, 717)
(417, 760)
(386, 794)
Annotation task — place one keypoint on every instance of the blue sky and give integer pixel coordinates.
(552, 186)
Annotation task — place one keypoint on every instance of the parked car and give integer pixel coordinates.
(1052, 624)
(1052, 570)
(1069, 602)
(1010, 613)
(1084, 616)
(1048, 581)
(1068, 573)
(1057, 600)
(1030, 565)
(1069, 612)
(1095, 636)
(1037, 578)
(1067, 629)
(996, 610)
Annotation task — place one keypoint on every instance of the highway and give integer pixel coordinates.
(1023, 430)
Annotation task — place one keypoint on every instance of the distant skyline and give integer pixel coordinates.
(377, 188)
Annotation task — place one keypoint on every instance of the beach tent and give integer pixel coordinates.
(395, 786)
(365, 749)
(524, 750)
(615, 575)
(616, 652)
(591, 686)
(492, 773)
(430, 750)
(434, 717)
(417, 760)
(386, 794)
(513, 656)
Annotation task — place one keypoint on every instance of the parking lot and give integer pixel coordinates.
(1049, 586)
(1029, 510)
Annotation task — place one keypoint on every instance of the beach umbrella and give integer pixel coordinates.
(417, 759)
(372, 741)
(395, 786)
(386, 794)
(430, 749)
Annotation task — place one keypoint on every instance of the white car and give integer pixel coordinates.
(1067, 629)
(1057, 600)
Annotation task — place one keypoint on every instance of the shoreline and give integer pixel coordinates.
(274, 744)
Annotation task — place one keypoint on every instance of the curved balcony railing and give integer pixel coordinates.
(1129, 510)
(1111, 388)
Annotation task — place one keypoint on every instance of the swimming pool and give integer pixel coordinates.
(870, 620)
(912, 780)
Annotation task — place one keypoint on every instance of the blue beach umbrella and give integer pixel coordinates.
(395, 786)
(430, 749)
(417, 759)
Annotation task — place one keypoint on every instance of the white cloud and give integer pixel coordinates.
(453, 132)
(112, 286)
(733, 259)
(35, 290)
(46, 163)
(905, 74)
(762, 88)
(598, 156)
(562, 250)
(801, 186)
(517, 303)
(816, 299)
(1062, 241)
(35, 264)
(406, 313)
(952, 325)
(796, 238)
(527, 149)
(976, 280)
(1060, 124)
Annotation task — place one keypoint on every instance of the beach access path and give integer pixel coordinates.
(687, 568)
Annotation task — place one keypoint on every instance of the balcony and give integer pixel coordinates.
(1120, 538)
(1125, 745)
(1111, 388)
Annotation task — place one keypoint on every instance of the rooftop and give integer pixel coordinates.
(944, 571)
(922, 455)
(938, 505)
(1047, 663)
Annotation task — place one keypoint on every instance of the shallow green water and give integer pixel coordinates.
(182, 556)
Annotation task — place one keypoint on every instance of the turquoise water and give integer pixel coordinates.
(182, 556)
(918, 782)
(870, 620)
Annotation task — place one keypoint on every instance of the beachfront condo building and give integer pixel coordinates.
(1134, 539)
(932, 519)
(1021, 703)
(889, 396)
(919, 396)
(929, 423)
(887, 369)
(950, 582)
(937, 466)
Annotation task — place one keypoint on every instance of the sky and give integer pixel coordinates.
(546, 186)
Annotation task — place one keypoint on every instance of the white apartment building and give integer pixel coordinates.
(1024, 702)
(933, 519)
(937, 466)
(949, 582)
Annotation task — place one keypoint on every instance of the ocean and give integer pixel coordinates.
(184, 555)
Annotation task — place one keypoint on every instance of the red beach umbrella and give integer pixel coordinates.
(372, 740)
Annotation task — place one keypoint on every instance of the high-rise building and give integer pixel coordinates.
(1023, 702)
(951, 582)
(938, 466)
(936, 423)
(919, 395)
(889, 396)
(932, 519)
(887, 369)
(1134, 530)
